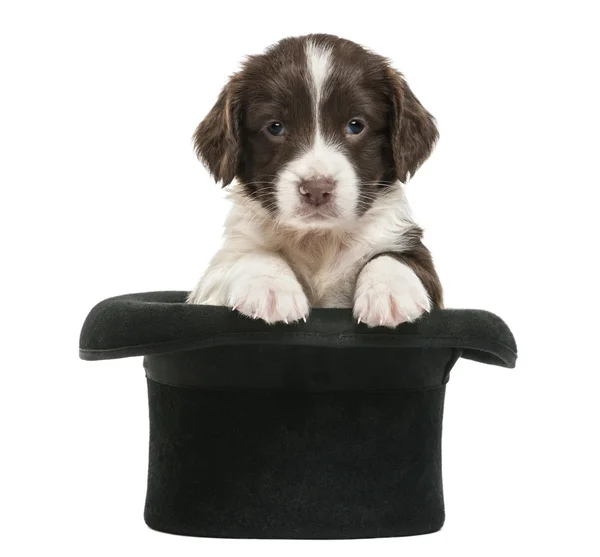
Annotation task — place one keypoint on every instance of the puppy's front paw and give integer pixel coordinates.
(270, 298)
(389, 293)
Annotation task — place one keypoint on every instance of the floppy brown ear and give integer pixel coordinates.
(413, 130)
(217, 137)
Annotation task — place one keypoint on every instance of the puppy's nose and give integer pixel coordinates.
(317, 191)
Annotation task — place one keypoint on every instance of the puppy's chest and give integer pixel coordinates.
(328, 272)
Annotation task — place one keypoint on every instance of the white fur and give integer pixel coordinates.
(254, 282)
(318, 60)
(389, 293)
(320, 159)
(270, 270)
(264, 286)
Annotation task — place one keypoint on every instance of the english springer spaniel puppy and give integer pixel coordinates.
(319, 134)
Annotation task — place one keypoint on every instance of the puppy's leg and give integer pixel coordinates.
(258, 284)
(395, 288)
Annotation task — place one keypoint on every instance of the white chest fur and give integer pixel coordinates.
(324, 261)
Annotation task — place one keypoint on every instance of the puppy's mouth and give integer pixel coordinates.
(312, 214)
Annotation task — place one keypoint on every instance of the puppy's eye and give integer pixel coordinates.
(275, 128)
(354, 127)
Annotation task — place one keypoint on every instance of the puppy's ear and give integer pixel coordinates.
(413, 130)
(217, 137)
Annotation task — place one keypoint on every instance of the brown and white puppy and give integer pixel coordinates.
(319, 134)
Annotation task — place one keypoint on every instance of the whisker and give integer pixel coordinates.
(256, 183)
(376, 183)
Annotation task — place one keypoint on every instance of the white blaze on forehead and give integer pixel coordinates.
(318, 59)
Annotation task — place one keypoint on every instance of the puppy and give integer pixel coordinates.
(320, 135)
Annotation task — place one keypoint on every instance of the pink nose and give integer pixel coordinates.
(317, 191)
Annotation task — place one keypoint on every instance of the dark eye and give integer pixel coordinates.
(275, 128)
(354, 127)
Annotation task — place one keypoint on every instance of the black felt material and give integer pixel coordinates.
(158, 322)
(294, 465)
(325, 429)
(303, 368)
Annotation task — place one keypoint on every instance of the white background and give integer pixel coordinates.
(101, 195)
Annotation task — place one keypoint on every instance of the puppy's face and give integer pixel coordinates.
(315, 130)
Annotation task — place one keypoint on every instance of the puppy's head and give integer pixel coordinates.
(315, 130)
